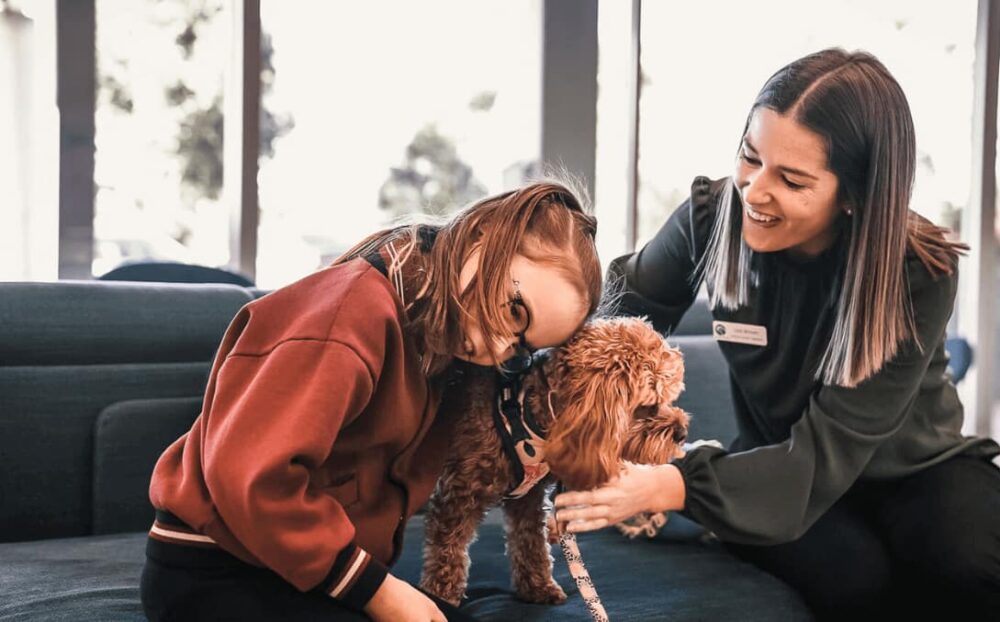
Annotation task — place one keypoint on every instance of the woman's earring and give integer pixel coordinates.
(849, 211)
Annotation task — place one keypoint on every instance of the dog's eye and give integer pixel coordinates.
(644, 412)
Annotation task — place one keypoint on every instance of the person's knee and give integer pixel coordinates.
(853, 592)
(970, 562)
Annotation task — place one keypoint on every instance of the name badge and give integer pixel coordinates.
(734, 332)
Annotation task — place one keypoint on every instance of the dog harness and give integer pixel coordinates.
(521, 438)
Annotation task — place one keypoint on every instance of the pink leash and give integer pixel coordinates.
(584, 583)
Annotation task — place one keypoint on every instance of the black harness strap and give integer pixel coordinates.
(507, 416)
(377, 262)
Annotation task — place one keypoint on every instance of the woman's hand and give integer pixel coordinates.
(396, 599)
(638, 488)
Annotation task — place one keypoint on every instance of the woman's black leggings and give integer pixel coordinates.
(927, 545)
(188, 584)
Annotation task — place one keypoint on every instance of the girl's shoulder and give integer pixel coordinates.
(351, 298)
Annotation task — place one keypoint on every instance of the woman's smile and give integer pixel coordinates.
(760, 218)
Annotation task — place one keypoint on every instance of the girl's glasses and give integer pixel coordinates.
(520, 362)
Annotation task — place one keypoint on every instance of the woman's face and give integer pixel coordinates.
(555, 308)
(789, 195)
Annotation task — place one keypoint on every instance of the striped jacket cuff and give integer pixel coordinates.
(355, 577)
(169, 528)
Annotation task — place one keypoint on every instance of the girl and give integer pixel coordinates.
(850, 478)
(318, 437)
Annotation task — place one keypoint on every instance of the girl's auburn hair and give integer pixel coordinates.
(545, 221)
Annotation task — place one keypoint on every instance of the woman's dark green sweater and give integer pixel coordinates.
(802, 444)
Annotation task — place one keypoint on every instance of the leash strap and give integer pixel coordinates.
(578, 571)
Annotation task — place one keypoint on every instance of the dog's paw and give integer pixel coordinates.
(550, 594)
(628, 529)
(645, 524)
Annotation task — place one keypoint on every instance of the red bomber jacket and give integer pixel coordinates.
(317, 438)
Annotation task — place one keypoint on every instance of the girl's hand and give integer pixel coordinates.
(396, 600)
(638, 488)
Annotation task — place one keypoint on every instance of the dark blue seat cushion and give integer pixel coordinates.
(96, 579)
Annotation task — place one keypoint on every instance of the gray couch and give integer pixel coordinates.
(96, 378)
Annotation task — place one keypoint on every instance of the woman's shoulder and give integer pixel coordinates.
(706, 196)
(705, 191)
(921, 276)
(697, 215)
(931, 290)
(931, 258)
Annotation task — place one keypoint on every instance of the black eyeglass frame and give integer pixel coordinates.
(521, 360)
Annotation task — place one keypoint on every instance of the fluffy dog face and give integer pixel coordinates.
(613, 386)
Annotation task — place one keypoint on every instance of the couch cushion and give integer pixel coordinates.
(636, 580)
(94, 579)
(47, 423)
(697, 320)
(128, 439)
(76, 322)
(97, 578)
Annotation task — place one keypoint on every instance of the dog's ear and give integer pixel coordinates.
(592, 419)
(657, 439)
(671, 373)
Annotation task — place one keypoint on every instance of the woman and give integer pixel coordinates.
(318, 438)
(850, 478)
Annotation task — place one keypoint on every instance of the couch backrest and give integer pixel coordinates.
(96, 379)
(696, 321)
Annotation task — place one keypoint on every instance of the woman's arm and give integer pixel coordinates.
(659, 281)
(773, 494)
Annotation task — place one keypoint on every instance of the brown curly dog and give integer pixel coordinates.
(603, 397)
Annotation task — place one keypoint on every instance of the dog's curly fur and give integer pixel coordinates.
(611, 388)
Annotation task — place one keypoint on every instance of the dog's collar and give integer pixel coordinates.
(521, 437)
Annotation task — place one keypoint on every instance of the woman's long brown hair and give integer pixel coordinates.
(544, 221)
(852, 101)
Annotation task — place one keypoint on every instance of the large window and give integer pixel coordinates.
(704, 62)
(29, 142)
(372, 112)
(387, 109)
(158, 164)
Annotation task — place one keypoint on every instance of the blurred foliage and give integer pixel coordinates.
(199, 134)
(432, 179)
